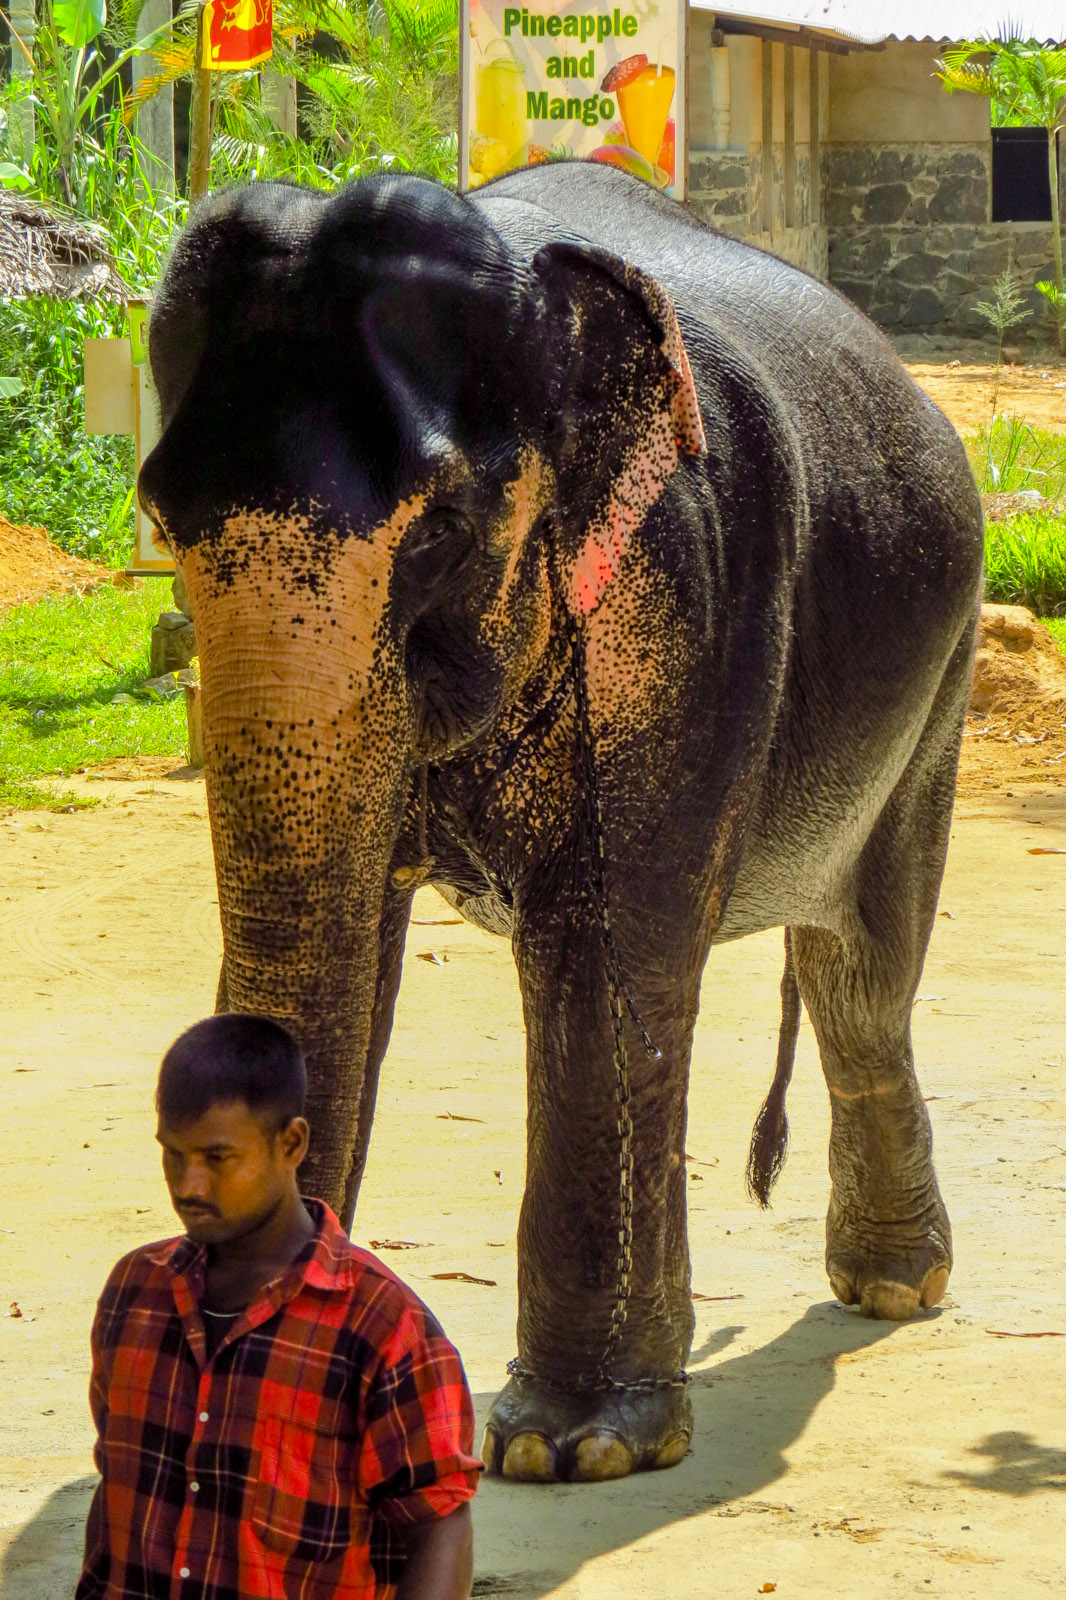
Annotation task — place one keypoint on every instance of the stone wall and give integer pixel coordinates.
(726, 190)
(911, 244)
(906, 183)
(928, 280)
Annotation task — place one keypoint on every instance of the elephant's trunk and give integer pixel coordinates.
(307, 748)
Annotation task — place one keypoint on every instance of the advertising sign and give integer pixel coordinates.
(557, 78)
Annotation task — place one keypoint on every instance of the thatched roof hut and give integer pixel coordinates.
(44, 252)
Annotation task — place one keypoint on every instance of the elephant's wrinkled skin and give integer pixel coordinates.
(421, 454)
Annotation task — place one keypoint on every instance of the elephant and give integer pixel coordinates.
(613, 576)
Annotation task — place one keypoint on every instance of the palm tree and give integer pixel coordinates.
(380, 82)
(1026, 83)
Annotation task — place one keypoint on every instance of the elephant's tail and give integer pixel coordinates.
(769, 1137)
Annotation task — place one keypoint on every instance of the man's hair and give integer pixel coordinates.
(230, 1058)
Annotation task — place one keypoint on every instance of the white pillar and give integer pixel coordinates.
(720, 95)
(23, 14)
(155, 119)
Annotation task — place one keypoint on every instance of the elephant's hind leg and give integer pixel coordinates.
(888, 1240)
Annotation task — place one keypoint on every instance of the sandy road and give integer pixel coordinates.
(832, 1456)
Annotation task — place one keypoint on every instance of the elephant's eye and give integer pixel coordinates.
(442, 524)
(433, 557)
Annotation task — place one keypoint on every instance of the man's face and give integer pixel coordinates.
(228, 1171)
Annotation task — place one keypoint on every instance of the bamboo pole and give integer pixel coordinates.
(200, 121)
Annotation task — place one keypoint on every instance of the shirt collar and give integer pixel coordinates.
(324, 1262)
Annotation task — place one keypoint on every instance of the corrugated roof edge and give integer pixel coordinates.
(827, 19)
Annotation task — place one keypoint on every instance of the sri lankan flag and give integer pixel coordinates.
(236, 34)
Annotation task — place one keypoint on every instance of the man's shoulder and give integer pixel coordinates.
(381, 1306)
(140, 1267)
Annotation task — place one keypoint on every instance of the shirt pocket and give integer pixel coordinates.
(301, 1502)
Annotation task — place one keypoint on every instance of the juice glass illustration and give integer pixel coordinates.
(644, 102)
(500, 130)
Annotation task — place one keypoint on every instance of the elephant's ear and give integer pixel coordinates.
(622, 397)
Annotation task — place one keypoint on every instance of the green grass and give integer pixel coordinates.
(1013, 455)
(61, 662)
(1025, 562)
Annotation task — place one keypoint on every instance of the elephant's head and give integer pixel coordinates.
(391, 451)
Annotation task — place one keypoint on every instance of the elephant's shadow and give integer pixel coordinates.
(748, 1411)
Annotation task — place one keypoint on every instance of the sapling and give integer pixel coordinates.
(1005, 310)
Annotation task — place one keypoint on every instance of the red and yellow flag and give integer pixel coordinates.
(236, 34)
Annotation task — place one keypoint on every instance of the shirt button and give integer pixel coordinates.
(194, 1488)
(203, 1416)
(183, 1572)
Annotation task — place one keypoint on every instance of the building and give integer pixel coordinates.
(818, 129)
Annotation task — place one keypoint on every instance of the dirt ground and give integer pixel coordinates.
(32, 566)
(964, 387)
(832, 1456)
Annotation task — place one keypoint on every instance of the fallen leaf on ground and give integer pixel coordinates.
(717, 1296)
(398, 1244)
(453, 1116)
(14, 1309)
(698, 1163)
(431, 955)
(464, 1277)
(1045, 850)
(767, 1588)
(1037, 1333)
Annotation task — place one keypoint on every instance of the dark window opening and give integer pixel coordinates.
(1021, 189)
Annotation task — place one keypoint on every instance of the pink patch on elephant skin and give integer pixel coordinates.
(632, 495)
(674, 427)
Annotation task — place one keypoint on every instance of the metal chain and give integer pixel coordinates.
(619, 995)
(616, 997)
(596, 1385)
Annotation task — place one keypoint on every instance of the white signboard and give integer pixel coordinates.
(542, 82)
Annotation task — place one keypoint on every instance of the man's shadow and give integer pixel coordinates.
(748, 1411)
(42, 1562)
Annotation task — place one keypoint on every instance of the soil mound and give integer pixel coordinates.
(1016, 730)
(1019, 668)
(32, 566)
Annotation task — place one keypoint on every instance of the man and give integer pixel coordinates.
(277, 1414)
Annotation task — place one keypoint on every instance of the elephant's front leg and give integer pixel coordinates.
(605, 1314)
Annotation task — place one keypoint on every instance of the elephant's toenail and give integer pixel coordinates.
(490, 1451)
(843, 1288)
(531, 1458)
(670, 1453)
(889, 1302)
(936, 1281)
(601, 1456)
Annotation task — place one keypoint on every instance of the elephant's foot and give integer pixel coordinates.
(536, 1434)
(891, 1270)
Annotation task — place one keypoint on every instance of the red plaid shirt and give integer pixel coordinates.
(332, 1413)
